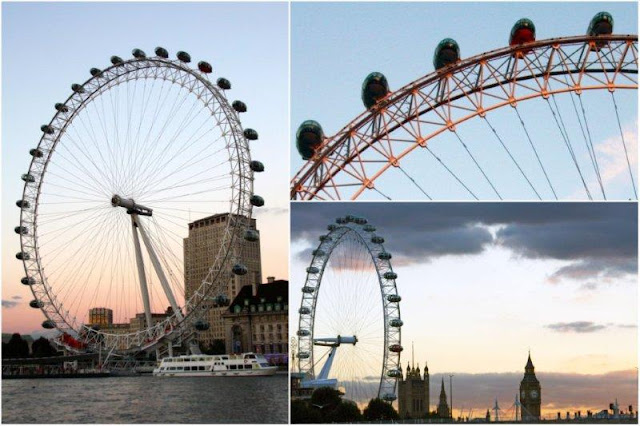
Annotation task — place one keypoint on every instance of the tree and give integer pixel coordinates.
(215, 348)
(17, 347)
(377, 409)
(302, 412)
(346, 412)
(42, 348)
(325, 398)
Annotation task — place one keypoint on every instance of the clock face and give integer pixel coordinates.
(534, 394)
(523, 394)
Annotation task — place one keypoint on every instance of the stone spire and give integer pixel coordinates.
(443, 407)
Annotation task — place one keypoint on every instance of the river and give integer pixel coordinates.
(146, 399)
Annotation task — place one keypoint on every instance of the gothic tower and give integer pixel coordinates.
(443, 407)
(413, 393)
(530, 394)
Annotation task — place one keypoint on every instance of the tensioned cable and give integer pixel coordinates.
(511, 156)
(626, 154)
(586, 125)
(567, 142)
(455, 132)
(378, 191)
(451, 172)
(535, 151)
(414, 182)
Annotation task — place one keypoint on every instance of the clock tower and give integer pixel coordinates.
(530, 398)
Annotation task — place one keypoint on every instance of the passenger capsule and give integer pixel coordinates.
(601, 24)
(303, 355)
(21, 230)
(162, 52)
(309, 137)
(361, 221)
(256, 166)
(201, 325)
(324, 238)
(77, 88)
(332, 227)
(312, 270)
(304, 310)
(36, 304)
(205, 67)
(395, 348)
(48, 324)
(27, 280)
(303, 332)
(395, 372)
(251, 235)
(224, 84)
(318, 252)
(377, 240)
(35, 152)
(116, 60)
(308, 290)
(394, 298)
(184, 57)
(390, 275)
(239, 269)
(256, 200)
(23, 204)
(341, 221)
(222, 300)
(350, 218)
(21, 255)
(61, 107)
(28, 178)
(374, 88)
(95, 72)
(396, 322)
(138, 54)
(369, 228)
(47, 129)
(239, 106)
(447, 52)
(389, 397)
(384, 255)
(523, 31)
(250, 134)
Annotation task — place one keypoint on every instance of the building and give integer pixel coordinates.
(443, 408)
(200, 251)
(258, 320)
(100, 316)
(413, 393)
(530, 394)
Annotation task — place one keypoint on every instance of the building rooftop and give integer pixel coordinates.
(276, 291)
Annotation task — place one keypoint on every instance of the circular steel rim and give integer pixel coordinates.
(240, 209)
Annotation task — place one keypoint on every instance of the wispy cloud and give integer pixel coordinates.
(8, 304)
(584, 326)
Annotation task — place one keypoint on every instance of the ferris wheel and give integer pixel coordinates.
(350, 324)
(134, 154)
(437, 137)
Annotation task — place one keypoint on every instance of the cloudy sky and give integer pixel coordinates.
(482, 284)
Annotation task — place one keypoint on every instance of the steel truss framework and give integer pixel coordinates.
(172, 328)
(348, 163)
(346, 228)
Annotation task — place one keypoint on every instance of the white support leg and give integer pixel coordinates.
(161, 276)
(141, 275)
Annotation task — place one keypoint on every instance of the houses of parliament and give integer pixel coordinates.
(414, 399)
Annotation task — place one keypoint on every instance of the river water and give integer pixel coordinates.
(146, 399)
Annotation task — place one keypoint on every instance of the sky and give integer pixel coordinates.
(482, 284)
(336, 45)
(47, 47)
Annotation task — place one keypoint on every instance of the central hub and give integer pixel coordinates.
(130, 205)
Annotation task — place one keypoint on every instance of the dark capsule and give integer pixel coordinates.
(36, 304)
(205, 67)
(21, 230)
(61, 107)
(138, 54)
(256, 200)
(49, 130)
(239, 269)
(308, 138)
(239, 106)
(116, 60)
(27, 280)
(28, 178)
(23, 204)
(35, 152)
(447, 52)
(523, 31)
(77, 88)
(256, 166)
(22, 256)
(374, 88)
(224, 84)
(96, 72)
(601, 24)
(48, 324)
(251, 134)
(162, 52)
(184, 57)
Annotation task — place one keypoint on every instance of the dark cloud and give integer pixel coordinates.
(8, 304)
(576, 327)
(599, 239)
(17, 297)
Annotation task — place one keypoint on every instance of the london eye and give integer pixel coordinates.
(136, 152)
(349, 317)
(437, 138)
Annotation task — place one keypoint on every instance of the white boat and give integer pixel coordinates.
(246, 364)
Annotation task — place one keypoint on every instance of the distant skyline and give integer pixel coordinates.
(484, 283)
(49, 46)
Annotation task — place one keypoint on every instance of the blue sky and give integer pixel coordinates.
(335, 46)
(47, 47)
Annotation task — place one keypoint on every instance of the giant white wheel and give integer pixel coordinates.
(350, 296)
(129, 159)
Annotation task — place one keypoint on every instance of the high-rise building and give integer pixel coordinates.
(443, 408)
(100, 316)
(530, 394)
(413, 393)
(200, 250)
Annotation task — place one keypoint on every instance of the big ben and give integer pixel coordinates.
(530, 394)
